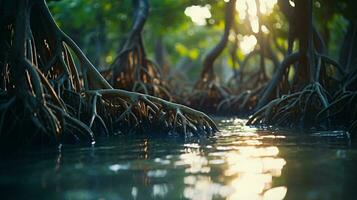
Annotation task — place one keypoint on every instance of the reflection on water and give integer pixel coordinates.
(239, 163)
(246, 168)
(252, 170)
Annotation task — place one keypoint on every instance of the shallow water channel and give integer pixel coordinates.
(240, 162)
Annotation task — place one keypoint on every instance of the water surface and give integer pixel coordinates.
(240, 162)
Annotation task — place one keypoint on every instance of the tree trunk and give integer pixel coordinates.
(161, 56)
(348, 51)
(261, 41)
(208, 72)
(100, 40)
(305, 70)
(141, 14)
(233, 56)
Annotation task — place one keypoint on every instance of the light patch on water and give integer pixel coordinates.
(203, 188)
(237, 127)
(192, 145)
(189, 180)
(162, 161)
(249, 186)
(239, 154)
(194, 162)
(258, 152)
(217, 154)
(134, 192)
(277, 193)
(252, 170)
(273, 136)
(225, 148)
(240, 164)
(225, 133)
(236, 121)
(249, 142)
(157, 173)
(216, 162)
(117, 167)
(159, 190)
(273, 165)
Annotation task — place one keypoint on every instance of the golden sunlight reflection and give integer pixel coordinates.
(195, 163)
(276, 193)
(244, 168)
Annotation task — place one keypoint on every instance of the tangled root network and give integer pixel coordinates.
(49, 96)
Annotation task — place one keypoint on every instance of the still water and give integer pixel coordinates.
(240, 162)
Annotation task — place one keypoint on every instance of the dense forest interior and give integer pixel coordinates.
(75, 70)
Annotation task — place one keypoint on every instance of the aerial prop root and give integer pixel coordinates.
(208, 91)
(291, 108)
(152, 109)
(277, 78)
(353, 128)
(94, 113)
(343, 104)
(141, 74)
(55, 72)
(328, 60)
(79, 129)
(4, 107)
(241, 101)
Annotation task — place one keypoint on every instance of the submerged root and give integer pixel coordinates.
(353, 128)
(342, 110)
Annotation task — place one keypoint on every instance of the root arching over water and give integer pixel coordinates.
(300, 108)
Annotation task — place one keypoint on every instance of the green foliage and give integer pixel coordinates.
(95, 25)
(100, 27)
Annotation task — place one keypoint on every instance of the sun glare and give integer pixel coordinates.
(233, 170)
(247, 43)
(199, 14)
(247, 9)
(266, 6)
